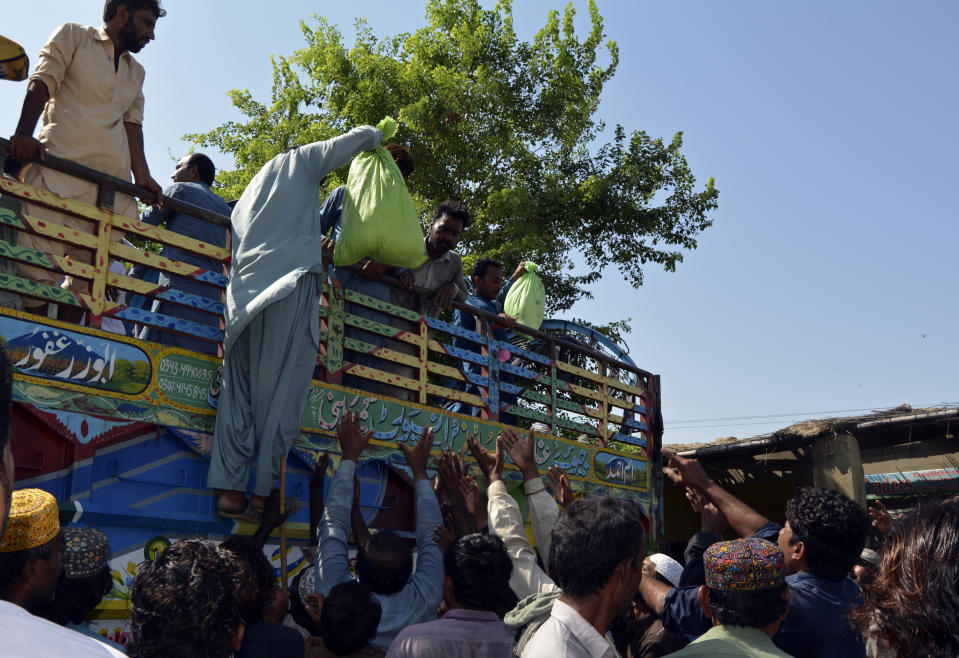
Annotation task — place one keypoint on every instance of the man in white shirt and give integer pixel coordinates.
(595, 557)
(29, 569)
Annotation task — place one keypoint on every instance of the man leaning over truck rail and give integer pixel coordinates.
(89, 89)
(192, 180)
(272, 317)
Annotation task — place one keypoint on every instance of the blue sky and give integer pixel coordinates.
(827, 282)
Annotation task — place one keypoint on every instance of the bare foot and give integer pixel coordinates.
(258, 502)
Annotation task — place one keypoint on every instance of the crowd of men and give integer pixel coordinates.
(470, 582)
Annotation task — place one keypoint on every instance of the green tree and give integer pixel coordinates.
(504, 125)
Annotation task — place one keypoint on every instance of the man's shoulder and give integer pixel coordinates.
(478, 301)
(72, 27)
(265, 635)
(70, 34)
(199, 195)
(28, 635)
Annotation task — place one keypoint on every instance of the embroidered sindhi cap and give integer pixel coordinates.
(744, 565)
(85, 552)
(307, 584)
(33, 521)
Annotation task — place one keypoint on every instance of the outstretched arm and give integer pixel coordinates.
(690, 473)
(332, 564)
(272, 518)
(427, 580)
(361, 534)
(506, 521)
(326, 156)
(316, 496)
(543, 510)
(451, 473)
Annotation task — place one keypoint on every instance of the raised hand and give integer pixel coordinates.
(484, 459)
(443, 536)
(881, 519)
(685, 472)
(521, 452)
(519, 271)
(696, 500)
(418, 456)
(449, 474)
(352, 441)
(562, 491)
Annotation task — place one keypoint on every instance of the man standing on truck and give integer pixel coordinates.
(273, 318)
(89, 89)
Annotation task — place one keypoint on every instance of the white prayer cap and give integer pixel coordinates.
(667, 567)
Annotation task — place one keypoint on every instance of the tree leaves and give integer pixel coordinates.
(504, 125)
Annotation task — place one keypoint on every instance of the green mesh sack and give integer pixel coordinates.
(379, 220)
(526, 300)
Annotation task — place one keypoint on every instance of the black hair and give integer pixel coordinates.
(482, 265)
(832, 527)
(188, 603)
(385, 563)
(349, 618)
(260, 568)
(12, 563)
(454, 209)
(479, 567)
(590, 539)
(402, 158)
(75, 597)
(912, 598)
(758, 608)
(111, 6)
(204, 167)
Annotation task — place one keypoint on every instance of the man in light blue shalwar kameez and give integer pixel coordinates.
(272, 317)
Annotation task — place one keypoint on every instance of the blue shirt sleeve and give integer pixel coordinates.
(331, 213)
(682, 613)
(769, 532)
(427, 580)
(332, 563)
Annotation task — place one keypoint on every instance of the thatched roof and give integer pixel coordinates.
(809, 430)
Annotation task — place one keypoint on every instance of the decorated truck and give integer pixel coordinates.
(120, 429)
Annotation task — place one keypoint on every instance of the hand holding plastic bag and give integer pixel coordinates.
(379, 220)
(526, 300)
